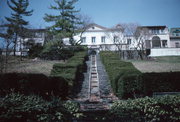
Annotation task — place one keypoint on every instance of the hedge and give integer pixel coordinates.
(21, 108)
(33, 84)
(163, 109)
(72, 71)
(128, 82)
(122, 75)
(160, 82)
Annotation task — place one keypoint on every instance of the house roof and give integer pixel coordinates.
(117, 28)
(99, 26)
(158, 26)
(37, 30)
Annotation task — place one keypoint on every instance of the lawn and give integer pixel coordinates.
(158, 64)
(31, 66)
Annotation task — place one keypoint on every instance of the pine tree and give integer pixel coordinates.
(66, 23)
(19, 8)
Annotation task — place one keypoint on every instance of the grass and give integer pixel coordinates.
(30, 66)
(158, 64)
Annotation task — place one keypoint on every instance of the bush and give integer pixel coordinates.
(35, 51)
(128, 82)
(147, 109)
(160, 82)
(33, 84)
(56, 50)
(72, 71)
(17, 107)
(122, 75)
(55, 54)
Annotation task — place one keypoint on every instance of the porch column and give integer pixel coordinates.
(151, 46)
(161, 43)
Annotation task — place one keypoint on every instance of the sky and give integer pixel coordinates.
(108, 13)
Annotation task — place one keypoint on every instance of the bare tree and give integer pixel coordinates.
(116, 35)
(138, 35)
(141, 35)
(129, 32)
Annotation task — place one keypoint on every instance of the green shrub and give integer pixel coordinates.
(17, 107)
(33, 84)
(128, 82)
(72, 71)
(122, 75)
(35, 51)
(160, 82)
(164, 108)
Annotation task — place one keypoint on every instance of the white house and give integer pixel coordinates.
(102, 38)
(175, 37)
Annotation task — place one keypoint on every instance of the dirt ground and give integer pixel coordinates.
(31, 66)
(158, 64)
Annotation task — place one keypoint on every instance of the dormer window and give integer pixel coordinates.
(93, 28)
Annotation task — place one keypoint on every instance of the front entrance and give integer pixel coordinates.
(156, 42)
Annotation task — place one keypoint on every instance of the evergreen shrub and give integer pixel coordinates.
(33, 84)
(32, 108)
(73, 70)
(164, 109)
(160, 82)
(122, 75)
(128, 82)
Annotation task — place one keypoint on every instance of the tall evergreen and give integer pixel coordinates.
(66, 23)
(16, 20)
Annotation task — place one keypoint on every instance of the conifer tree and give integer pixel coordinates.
(66, 23)
(16, 20)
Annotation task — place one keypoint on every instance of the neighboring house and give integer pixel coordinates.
(158, 37)
(175, 37)
(32, 37)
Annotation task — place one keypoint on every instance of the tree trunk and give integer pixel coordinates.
(20, 49)
(15, 44)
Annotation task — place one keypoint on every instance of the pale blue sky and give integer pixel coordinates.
(110, 12)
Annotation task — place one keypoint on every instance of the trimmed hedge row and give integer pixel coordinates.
(122, 75)
(128, 82)
(21, 108)
(73, 70)
(160, 82)
(33, 84)
(165, 109)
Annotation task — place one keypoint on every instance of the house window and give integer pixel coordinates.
(164, 43)
(93, 28)
(115, 39)
(162, 30)
(83, 40)
(103, 39)
(177, 45)
(38, 35)
(93, 39)
(128, 41)
(155, 31)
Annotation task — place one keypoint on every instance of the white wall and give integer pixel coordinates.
(165, 52)
(174, 41)
(108, 37)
